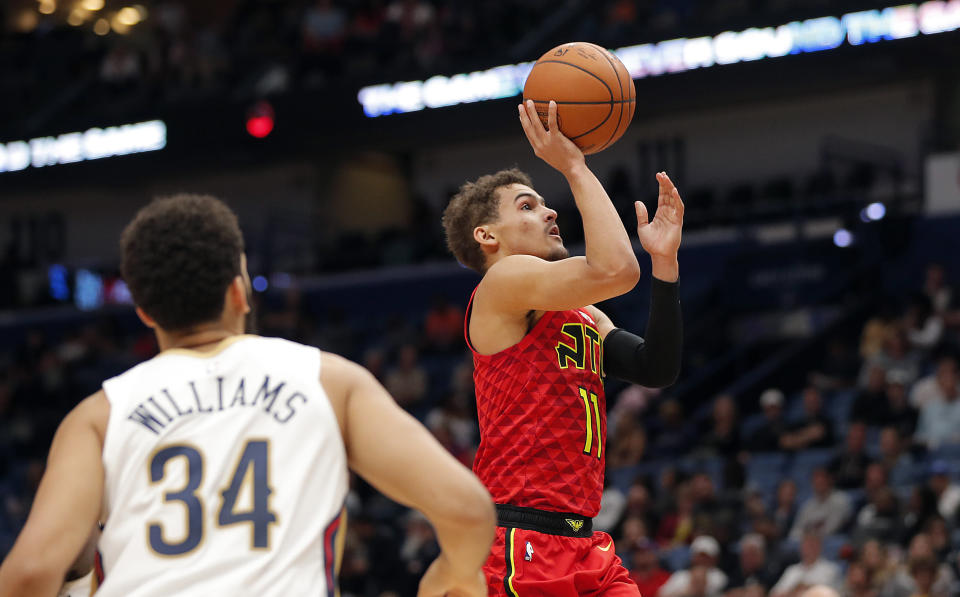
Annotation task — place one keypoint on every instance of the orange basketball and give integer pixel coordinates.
(594, 93)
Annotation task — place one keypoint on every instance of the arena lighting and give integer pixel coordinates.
(260, 284)
(260, 119)
(680, 55)
(94, 144)
(873, 212)
(843, 238)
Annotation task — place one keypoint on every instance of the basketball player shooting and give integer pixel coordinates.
(540, 351)
(219, 467)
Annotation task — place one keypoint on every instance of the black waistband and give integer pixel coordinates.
(542, 521)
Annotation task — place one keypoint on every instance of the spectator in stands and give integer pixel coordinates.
(629, 447)
(785, 506)
(704, 553)
(850, 464)
(839, 367)
(879, 518)
(812, 569)
(443, 326)
(324, 27)
(905, 583)
(936, 529)
(767, 437)
(676, 526)
(826, 511)
(634, 529)
(940, 420)
(939, 387)
(875, 558)
(857, 582)
(923, 325)
(936, 289)
(672, 435)
(814, 429)
(894, 356)
(638, 501)
(944, 490)
(374, 360)
(407, 382)
(645, 569)
(613, 505)
(895, 460)
(418, 549)
(870, 405)
(898, 411)
(923, 572)
(752, 568)
(721, 435)
(877, 330)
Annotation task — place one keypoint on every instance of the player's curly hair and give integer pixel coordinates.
(476, 204)
(178, 256)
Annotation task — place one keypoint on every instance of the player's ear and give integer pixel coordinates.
(238, 295)
(146, 319)
(486, 238)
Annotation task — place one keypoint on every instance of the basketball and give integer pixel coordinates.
(594, 93)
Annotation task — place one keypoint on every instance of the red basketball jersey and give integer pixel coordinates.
(543, 416)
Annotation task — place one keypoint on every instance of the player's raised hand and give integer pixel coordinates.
(439, 581)
(549, 144)
(661, 237)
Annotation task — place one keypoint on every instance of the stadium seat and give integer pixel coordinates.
(832, 544)
(805, 461)
(764, 471)
(676, 558)
(750, 425)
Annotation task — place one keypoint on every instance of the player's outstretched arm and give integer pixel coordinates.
(654, 360)
(66, 507)
(609, 267)
(398, 456)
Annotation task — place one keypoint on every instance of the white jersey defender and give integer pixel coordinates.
(230, 460)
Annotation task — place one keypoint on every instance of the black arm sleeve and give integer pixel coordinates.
(653, 362)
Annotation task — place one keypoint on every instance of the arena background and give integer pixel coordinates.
(815, 144)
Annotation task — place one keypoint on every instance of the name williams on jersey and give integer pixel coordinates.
(166, 405)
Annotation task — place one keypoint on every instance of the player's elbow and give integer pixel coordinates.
(628, 274)
(619, 278)
(28, 576)
(475, 506)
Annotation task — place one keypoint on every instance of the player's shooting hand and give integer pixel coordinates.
(549, 144)
(440, 581)
(661, 237)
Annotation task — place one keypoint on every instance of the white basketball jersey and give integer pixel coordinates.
(225, 475)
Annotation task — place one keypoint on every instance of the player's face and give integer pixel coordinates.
(527, 226)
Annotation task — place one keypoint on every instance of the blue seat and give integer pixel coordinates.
(751, 424)
(677, 558)
(713, 467)
(832, 544)
(805, 461)
(948, 452)
(765, 469)
(904, 476)
(872, 446)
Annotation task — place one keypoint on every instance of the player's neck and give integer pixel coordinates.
(199, 338)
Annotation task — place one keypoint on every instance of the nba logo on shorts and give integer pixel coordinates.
(529, 556)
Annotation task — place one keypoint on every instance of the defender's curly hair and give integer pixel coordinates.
(474, 205)
(178, 256)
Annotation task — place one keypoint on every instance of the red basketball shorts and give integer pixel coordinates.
(526, 563)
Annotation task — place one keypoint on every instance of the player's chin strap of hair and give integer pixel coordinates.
(653, 362)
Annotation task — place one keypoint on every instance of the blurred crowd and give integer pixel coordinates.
(851, 480)
(255, 48)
